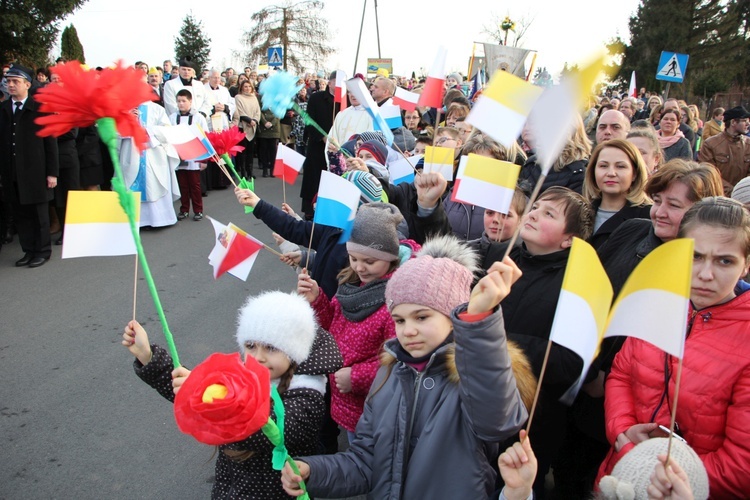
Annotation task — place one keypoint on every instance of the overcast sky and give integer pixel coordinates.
(409, 30)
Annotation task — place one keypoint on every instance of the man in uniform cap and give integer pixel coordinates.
(186, 80)
(28, 168)
(729, 151)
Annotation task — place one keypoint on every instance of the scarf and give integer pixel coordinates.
(360, 302)
(666, 141)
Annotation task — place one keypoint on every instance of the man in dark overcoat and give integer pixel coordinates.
(320, 107)
(28, 166)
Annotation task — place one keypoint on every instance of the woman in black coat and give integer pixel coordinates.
(614, 185)
(569, 169)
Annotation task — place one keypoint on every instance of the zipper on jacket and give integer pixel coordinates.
(409, 425)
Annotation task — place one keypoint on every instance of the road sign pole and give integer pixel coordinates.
(666, 91)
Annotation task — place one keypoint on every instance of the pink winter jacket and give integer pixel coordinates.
(713, 411)
(360, 345)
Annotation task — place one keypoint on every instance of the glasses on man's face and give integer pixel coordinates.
(442, 140)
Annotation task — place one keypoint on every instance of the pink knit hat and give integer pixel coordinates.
(439, 278)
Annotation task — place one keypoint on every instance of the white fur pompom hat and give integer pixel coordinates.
(282, 320)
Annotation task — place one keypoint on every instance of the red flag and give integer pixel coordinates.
(339, 95)
(288, 164)
(434, 88)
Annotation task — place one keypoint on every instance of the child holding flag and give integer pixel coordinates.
(547, 231)
(713, 411)
(188, 172)
(279, 331)
(357, 316)
(446, 395)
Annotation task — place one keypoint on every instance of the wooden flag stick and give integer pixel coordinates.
(279, 254)
(417, 172)
(674, 410)
(283, 183)
(526, 211)
(538, 387)
(437, 124)
(135, 285)
(220, 163)
(309, 247)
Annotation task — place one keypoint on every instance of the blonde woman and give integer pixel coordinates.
(614, 185)
(246, 117)
(569, 169)
(647, 142)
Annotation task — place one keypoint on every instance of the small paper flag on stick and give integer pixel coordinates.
(434, 88)
(234, 251)
(405, 100)
(553, 118)
(503, 107)
(488, 183)
(653, 304)
(582, 309)
(96, 225)
(288, 164)
(338, 200)
(439, 159)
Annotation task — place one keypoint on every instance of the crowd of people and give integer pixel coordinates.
(416, 336)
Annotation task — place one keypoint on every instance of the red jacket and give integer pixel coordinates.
(713, 412)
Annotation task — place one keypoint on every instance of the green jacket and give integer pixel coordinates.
(268, 133)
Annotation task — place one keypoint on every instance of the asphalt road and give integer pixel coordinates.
(75, 421)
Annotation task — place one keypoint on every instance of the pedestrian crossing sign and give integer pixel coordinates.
(672, 67)
(275, 58)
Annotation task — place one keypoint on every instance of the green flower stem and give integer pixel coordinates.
(310, 121)
(272, 432)
(108, 133)
(230, 165)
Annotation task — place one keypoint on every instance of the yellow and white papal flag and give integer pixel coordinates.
(653, 304)
(96, 225)
(582, 308)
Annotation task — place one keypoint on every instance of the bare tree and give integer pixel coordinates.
(297, 27)
(499, 35)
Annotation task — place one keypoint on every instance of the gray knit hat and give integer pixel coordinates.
(741, 191)
(374, 232)
(632, 474)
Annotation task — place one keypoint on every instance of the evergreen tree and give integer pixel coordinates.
(706, 30)
(299, 29)
(193, 43)
(29, 28)
(71, 48)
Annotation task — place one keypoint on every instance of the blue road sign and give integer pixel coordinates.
(275, 57)
(672, 67)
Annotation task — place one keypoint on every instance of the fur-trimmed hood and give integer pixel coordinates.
(526, 381)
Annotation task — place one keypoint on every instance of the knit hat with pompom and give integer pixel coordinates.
(439, 277)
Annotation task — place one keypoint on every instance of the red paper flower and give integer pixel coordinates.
(226, 141)
(223, 400)
(84, 96)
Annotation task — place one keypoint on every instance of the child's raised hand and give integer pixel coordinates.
(307, 287)
(518, 468)
(494, 287)
(291, 481)
(287, 210)
(669, 482)
(135, 339)
(246, 197)
(179, 375)
(291, 258)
